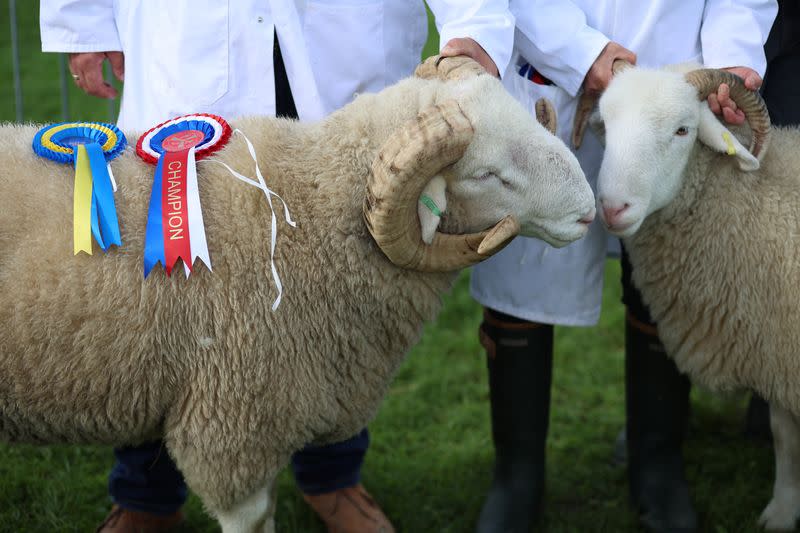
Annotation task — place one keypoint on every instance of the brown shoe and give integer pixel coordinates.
(349, 510)
(121, 520)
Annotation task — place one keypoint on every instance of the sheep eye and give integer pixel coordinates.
(683, 130)
(490, 175)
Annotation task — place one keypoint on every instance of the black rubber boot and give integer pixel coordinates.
(520, 361)
(657, 406)
(756, 422)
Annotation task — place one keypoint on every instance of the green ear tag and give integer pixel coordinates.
(428, 202)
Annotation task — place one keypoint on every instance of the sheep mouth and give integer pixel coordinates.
(559, 236)
(624, 229)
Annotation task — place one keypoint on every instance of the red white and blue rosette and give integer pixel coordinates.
(175, 221)
(88, 146)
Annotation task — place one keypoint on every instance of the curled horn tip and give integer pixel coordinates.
(546, 115)
(449, 68)
(620, 65)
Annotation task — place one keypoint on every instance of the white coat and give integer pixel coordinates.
(215, 56)
(561, 39)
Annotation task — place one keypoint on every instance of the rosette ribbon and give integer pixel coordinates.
(175, 220)
(89, 146)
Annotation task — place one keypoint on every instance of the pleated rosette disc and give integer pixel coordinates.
(175, 220)
(89, 146)
(207, 133)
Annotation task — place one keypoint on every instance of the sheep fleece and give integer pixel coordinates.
(92, 352)
(720, 270)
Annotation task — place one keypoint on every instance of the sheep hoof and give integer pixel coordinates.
(781, 513)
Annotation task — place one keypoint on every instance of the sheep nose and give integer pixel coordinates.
(612, 214)
(588, 217)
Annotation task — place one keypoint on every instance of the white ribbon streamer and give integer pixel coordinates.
(111, 175)
(261, 184)
(197, 230)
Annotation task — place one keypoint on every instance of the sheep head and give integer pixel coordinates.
(652, 120)
(481, 156)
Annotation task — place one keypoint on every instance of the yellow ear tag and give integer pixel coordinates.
(727, 138)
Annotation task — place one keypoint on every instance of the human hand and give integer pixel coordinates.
(721, 103)
(87, 71)
(466, 46)
(600, 73)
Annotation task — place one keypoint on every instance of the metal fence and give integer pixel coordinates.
(63, 75)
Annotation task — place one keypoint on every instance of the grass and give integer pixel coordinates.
(431, 456)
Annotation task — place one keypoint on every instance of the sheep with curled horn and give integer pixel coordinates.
(92, 353)
(713, 233)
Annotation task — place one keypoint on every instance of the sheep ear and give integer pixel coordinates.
(431, 206)
(713, 134)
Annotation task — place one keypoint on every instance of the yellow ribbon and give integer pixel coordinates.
(82, 204)
(727, 138)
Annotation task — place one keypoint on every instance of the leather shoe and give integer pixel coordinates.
(349, 510)
(121, 520)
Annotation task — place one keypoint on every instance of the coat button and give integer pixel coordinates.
(260, 19)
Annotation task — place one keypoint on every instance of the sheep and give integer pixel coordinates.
(713, 233)
(92, 353)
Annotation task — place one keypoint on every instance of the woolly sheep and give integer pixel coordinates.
(92, 353)
(713, 234)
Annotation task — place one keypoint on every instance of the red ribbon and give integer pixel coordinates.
(174, 212)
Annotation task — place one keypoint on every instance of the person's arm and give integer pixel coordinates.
(483, 30)
(554, 37)
(732, 38)
(86, 30)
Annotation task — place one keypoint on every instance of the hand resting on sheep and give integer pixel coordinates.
(713, 233)
(90, 352)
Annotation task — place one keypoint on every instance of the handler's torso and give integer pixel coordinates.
(216, 55)
(530, 279)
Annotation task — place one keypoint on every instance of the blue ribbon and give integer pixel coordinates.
(104, 211)
(154, 233)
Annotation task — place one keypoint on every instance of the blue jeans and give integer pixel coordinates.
(145, 479)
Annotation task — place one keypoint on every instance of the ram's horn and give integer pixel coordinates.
(421, 149)
(546, 114)
(750, 102)
(586, 104)
(449, 68)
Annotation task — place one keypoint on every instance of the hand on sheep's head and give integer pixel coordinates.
(602, 70)
(720, 101)
(465, 46)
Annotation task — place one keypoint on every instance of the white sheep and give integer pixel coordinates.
(90, 352)
(713, 234)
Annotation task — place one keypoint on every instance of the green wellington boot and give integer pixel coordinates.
(520, 361)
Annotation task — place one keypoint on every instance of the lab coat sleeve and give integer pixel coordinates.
(734, 32)
(488, 22)
(78, 26)
(554, 37)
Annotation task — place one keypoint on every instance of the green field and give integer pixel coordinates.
(431, 456)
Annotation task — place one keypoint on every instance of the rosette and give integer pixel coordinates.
(175, 220)
(89, 146)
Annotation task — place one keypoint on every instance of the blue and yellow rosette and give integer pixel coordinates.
(89, 146)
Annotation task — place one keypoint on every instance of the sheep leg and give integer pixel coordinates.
(254, 514)
(784, 509)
